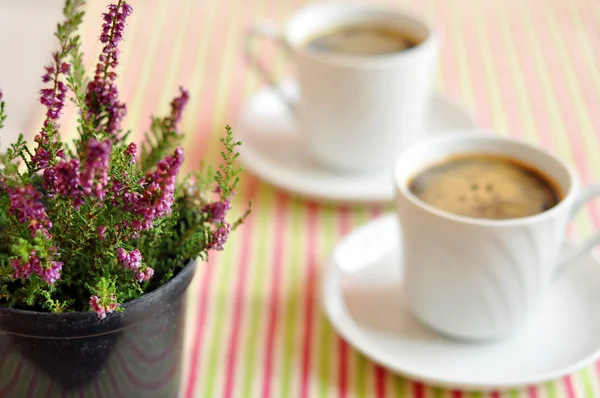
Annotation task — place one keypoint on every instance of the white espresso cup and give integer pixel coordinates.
(481, 279)
(355, 112)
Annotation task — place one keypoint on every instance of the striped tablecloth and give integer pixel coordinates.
(527, 68)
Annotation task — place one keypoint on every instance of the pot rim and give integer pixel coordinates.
(86, 323)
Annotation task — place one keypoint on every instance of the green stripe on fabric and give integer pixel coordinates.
(585, 378)
(437, 392)
(328, 353)
(551, 389)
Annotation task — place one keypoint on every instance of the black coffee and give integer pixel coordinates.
(484, 186)
(362, 39)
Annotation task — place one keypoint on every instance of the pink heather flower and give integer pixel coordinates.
(102, 92)
(94, 176)
(219, 236)
(122, 255)
(177, 106)
(54, 98)
(142, 276)
(49, 273)
(131, 152)
(63, 179)
(157, 199)
(97, 306)
(101, 231)
(131, 261)
(25, 270)
(26, 206)
(52, 273)
(217, 210)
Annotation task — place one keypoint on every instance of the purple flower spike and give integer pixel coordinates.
(25, 205)
(219, 237)
(102, 93)
(131, 152)
(158, 197)
(177, 106)
(217, 210)
(53, 98)
(63, 179)
(94, 176)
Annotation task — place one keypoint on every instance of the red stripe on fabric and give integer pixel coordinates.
(418, 390)
(278, 259)
(311, 269)
(380, 386)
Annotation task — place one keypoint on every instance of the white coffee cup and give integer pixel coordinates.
(481, 279)
(355, 113)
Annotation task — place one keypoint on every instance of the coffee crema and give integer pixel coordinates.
(362, 39)
(486, 186)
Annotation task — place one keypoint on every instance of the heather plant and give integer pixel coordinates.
(94, 223)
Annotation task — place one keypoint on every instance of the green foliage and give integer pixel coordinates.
(158, 143)
(2, 113)
(111, 226)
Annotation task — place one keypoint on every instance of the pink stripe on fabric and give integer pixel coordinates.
(311, 269)
(532, 392)
(569, 390)
(278, 260)
(240, 290)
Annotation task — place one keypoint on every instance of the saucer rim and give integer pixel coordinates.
(331, 269)
(262, 167)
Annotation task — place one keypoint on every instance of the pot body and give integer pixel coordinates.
(136, 353)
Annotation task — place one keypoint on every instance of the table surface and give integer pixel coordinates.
(526, 68)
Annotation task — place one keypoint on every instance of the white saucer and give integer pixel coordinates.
(363, 299)
(272, 149)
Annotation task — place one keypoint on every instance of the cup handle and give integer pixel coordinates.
(266, 30)
(584, 197)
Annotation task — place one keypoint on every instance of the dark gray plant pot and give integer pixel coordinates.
(136, 353)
